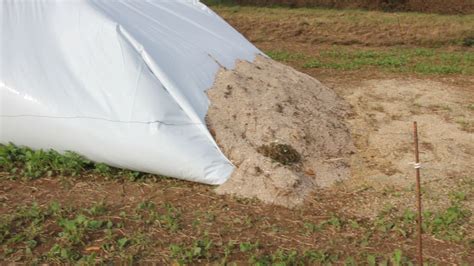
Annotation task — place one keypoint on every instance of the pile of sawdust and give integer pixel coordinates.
(283, 130)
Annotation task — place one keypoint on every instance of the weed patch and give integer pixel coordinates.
(448, 224)
(26, 164)
(422, 61)
(199, 250)
(282, 153)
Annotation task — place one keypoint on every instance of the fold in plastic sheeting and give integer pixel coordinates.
(120, 82)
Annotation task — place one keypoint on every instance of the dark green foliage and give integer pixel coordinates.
(32, 164)
(28, 164)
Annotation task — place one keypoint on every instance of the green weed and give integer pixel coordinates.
(447, 224)
(147, 212)
(27, 164)
(23, 229)
(248, 246)
(398, 259)
(97, 209)
(323, 257)
(311, 228)
(171, 219)
(59, 253)
(29, 227)
(285, 56)
(200, 249)
(32, 164)
(414, 60)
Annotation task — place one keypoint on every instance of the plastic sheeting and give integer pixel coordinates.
(120, 82)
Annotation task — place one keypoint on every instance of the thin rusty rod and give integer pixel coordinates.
(418, 195)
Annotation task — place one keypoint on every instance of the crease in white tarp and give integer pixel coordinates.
(120, 82)
(168, 85)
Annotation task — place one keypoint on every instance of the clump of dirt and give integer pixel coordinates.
(282, 153)
(282, 129)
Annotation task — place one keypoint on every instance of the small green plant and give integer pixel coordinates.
(311, 228)
(248, 246)
(398, 259)
(171, 219)
(59, 253)
(371, 260)
(335, 221)
(281, 257)
(123, 242)
(200, 249)
(458, 196)
(228, 249)
(97, 209)
(323, 257)
(350, 261)
(75, 229)
(103, 169)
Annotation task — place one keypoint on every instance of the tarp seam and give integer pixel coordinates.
(102, 119)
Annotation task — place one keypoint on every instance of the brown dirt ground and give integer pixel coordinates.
(438, 6)
(347, 27)
(232, 219)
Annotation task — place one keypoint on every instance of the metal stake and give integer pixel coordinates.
(418, 195)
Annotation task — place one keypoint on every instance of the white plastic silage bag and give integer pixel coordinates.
(120, 82)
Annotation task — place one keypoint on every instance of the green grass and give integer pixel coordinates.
(448, 224)
(406, 60)
(285, 56)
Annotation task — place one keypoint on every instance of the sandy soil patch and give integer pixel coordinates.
(284, 131)
(384, 110)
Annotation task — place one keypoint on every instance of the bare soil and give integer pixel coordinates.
(283, 27)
